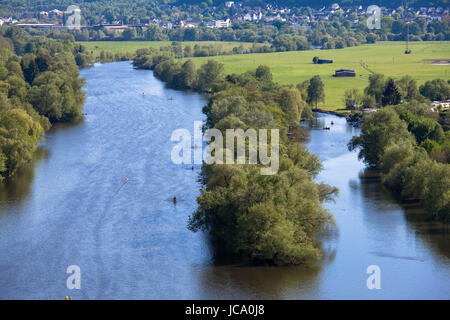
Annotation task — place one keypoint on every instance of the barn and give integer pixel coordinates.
(345, 73)
(322, 61)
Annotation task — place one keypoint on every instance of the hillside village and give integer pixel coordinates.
(238, 13)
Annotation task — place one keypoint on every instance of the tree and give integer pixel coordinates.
(316, 92)
(422, 128)
(378, 131)
(208, 74)
(376, 87)
(391, 94)
(408, 88)
(129, 34)
(435, 90)
(263, 73)
(188, 51)
(186, 77)
(292, 105)
(352, 98)
(29, 67)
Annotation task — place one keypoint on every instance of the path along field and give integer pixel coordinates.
(387, 58)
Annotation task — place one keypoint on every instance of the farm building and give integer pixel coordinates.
(322, 61)
(345, 73)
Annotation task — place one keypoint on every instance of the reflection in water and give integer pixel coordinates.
(253, 282)
(17, 187)
(435, 234)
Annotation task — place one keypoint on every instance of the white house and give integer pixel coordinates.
(229, 4)
(445, 104)
(219, 23)
(223, 23)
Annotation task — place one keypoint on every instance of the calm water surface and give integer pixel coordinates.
(130, 241)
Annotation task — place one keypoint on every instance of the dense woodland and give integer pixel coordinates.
(39, 85)
(405, 140)
(337, 33)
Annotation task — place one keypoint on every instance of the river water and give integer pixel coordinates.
(73, 207)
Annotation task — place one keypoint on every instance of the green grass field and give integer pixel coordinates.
(293, 67)
(132, 46)
(387, 58)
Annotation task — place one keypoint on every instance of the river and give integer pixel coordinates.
(74, 207)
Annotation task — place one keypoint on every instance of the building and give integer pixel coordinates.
(324, 61)
(345, 73)
(42, 26)
(55, 13)
(188, 24)
(219, 23)
(335, 6)
(445, 104)
(229, 4)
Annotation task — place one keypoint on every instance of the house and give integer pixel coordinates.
(229, 4)
(335, 6)
(345, 73)
(188, 24)
(369, 110)
(1, 22)
(445, 104)
(55, 13)
(219, 23)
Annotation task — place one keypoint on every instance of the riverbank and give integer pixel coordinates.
(134, 244)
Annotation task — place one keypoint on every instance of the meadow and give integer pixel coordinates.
(293, 67)
(132, 46)
(387, 58)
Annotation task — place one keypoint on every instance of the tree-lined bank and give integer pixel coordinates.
(39, 85)
(271, 219)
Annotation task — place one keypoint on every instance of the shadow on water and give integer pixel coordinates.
(58, 127)
(238, 278)
(17, 187)
(230, 278)
(434, 233)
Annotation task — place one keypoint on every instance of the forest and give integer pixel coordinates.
(39, 85)
(338, 32)
(406, 142)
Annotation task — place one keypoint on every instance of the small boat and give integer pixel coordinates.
(332, 123)
(326, 128)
